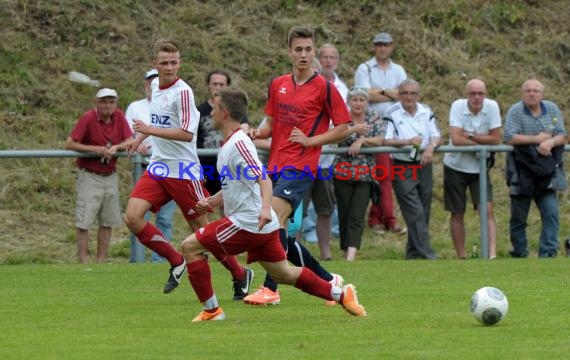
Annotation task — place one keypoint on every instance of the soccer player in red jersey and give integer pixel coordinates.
(299, 110)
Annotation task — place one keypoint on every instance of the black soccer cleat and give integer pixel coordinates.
(241, 287)
(176, 273)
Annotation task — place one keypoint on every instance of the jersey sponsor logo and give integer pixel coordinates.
(283, 90)
(191, 212)
(160, 120)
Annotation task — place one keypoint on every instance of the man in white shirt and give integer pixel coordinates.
(381, 76)
(473, 120)
(140, 109)
(412, 124)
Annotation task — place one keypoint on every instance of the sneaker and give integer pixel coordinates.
(377, 229)
(337, 281)
(263, 296)
(206, 316)
(241, 287)
(175, 276)
(350, 301)
(397, 230)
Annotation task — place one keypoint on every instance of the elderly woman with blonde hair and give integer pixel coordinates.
(353, 179)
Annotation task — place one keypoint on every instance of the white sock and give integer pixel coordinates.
(336, 292)
(211, 303)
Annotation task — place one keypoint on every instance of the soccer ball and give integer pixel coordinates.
(489, 305)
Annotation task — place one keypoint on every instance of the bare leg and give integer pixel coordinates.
(82, 236)
(324, 235)
(457, 228)
(350, 253)
(103, 240)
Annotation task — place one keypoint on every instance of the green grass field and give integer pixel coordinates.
(416, 310)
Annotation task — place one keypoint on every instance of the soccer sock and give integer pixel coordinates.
(310, 283)
(211, 304)
(299, 255)
(201, 279)
(230, 262)
(152, 238)
(269, 282)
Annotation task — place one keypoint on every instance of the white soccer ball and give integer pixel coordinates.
(489, 305)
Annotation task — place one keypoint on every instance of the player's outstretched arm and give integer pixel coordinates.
(266, 189)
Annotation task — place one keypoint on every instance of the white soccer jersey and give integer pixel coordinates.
(239, 168)
(173, 107)
(139, 110)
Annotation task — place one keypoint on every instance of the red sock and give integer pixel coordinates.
(230, 262)
(201, 279)
(310, 283)
(153, 239)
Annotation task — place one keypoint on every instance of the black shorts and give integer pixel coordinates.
(455, 184)
(292, 184)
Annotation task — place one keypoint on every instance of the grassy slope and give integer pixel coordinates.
(416, 310)
(440, 43)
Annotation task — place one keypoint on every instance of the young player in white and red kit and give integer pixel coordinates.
(174, 169)
(250, 223)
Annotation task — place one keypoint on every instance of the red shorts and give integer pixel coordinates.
(223, 238)
(185, 192)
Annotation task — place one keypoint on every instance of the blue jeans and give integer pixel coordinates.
(548, 207)
(163, 223)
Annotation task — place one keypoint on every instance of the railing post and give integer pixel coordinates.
(483, 202)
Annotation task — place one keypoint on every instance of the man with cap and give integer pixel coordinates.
(102, 130)
(381, 76)
(140, 109)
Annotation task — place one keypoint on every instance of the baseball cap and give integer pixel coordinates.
(106, 92)
(151, 73)
(382, 37)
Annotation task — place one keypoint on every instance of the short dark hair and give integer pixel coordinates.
(304, 32)
(235, 100)
(218, 72)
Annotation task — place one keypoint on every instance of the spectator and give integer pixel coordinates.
(381, 76)
(208, 137)
(352, 188)
(102, 130)
(474, 120)
(535, 128)
(321, 192)
(412, 124)
(171, 173)
(140, 110)
(298, 111)
(250, 223)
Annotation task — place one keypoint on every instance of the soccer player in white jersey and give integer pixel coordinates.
(250, 224)
(174, 169)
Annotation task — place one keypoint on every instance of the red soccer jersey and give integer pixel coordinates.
(309, 107)
(89, 130)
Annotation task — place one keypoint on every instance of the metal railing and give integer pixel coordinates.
(483, 151)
